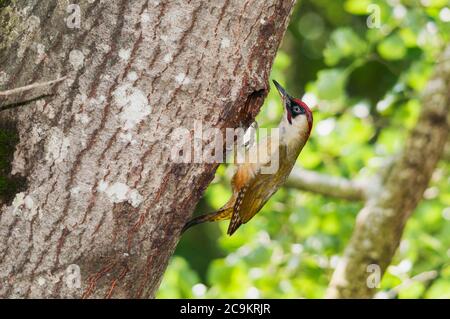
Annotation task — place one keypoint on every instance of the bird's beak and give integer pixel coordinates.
(281, 90)
(286, 100)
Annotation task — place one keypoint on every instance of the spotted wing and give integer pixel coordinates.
(250, 199)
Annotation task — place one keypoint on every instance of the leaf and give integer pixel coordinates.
(392, 48)
(357, 6)
(436, 3)
(178, 280)
(331, 83)
(409, 37)
(414, 290)
(439, 290)
(343, 43)
(417, 76)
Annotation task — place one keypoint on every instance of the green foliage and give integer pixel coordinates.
(392, 48)
(179, 281)
(344, 43)
(367, 84)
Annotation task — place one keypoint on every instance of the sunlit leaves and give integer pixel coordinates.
(344, 43)
(435, 3)
(409, 37)
(418, 74)
(331, 83)
(176, 285)
(357, 6)
(366, 82)
(282, 61)
(440, 290)
(392, 48)
(218, 195)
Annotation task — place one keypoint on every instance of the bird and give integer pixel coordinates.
(251, 186)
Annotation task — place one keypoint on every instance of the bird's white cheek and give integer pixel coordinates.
(292, 132)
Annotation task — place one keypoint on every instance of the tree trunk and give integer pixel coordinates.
(102, 207)
(380, 223)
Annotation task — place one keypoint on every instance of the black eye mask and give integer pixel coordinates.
(296, 109)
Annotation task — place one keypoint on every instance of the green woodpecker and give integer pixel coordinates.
(251, 187)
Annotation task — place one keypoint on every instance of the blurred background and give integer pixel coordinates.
(364, 77)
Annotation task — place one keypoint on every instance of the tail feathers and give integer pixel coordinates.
(222, 214)
(235, 223)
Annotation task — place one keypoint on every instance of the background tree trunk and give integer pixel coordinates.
(379, 225)
(102, 206)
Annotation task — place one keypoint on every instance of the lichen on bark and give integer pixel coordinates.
(10, 22)
(103, 199)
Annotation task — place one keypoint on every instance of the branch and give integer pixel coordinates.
(115, 199)
(26, 93)
(379, 225)
(423, 277)
(326, 185)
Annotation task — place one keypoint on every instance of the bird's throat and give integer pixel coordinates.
(294, 135)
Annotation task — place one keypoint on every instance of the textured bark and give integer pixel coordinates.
(379, 225)
(101, 192)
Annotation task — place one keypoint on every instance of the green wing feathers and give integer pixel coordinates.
(250, 199)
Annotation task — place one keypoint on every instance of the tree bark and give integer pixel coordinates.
(379, 225)
(103, 205)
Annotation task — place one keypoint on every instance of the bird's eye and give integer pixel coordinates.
(297, 109)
